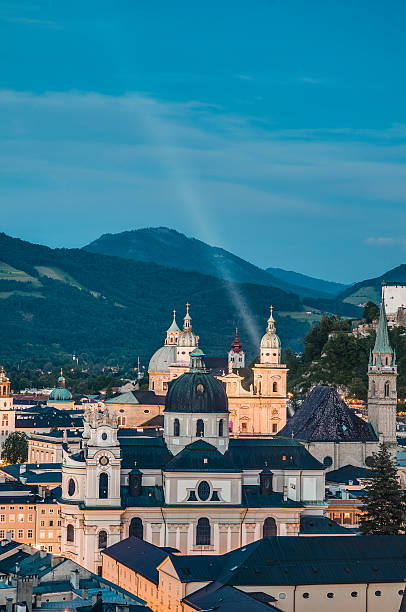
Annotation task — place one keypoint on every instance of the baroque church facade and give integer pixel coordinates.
(257, 407)
(196, 489)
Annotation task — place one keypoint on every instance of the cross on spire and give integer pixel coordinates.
(187, 308)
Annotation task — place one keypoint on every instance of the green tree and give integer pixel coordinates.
(384, 508)
(15, 449)
(371, 312)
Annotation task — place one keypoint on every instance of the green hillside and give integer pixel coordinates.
(308, 282)
(107, 309)
(370, 289)
(160, 244)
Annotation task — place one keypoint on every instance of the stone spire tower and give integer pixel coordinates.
(382, 373)
(236, 356)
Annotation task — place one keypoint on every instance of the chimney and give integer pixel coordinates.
(285, 493)
(9, 604)
(42, 554)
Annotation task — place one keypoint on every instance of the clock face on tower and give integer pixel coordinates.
(103, 460)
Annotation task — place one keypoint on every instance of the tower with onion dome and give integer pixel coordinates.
(382, 375)
(236, 356)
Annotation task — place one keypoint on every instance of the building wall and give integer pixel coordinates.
(394, 297)
(36, 524)
(342, 453)
(133, 415)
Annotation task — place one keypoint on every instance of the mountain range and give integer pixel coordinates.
(162, 244)
(115, 305)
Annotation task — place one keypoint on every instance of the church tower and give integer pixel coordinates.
(6, 401)
(382, 373)
(236, 356)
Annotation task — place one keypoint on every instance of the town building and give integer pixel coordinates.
(293, 574)
(257, 403)
(332, 432)
(133, 408)
(236, 356)
(196, 489)
(34, 581)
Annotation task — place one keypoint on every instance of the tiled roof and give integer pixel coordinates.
(148, 452)
(252, 498)
(138, 555)
(199, 456)
(321, 525)
(346, 474)
(284, 454)
(325, 417)
(138, 397)
(215, 596)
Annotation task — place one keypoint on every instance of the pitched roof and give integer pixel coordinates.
(138, 555)
(216, 596)
(147, 451)
(321, 525)
(199, 456)
(283, 454)
(137, 397)
(346, 474)
(325, 417)
(382, 344)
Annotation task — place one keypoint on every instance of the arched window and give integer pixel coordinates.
(269, 529)
(136, 528)
(176, 428)
(387, 389)
(221, 428)
(275, 387)
(102, 539)
(373, 388)
(199, 428)
(70, 533)
(71, 487)
(103, 486)
(203, 532)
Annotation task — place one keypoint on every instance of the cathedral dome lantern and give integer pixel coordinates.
(187, 340)
(60, 393)
(270, 343)
(4, 384)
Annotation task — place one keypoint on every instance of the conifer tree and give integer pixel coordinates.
(384, 507)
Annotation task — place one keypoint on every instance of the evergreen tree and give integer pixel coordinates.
(384, 508)
(15, 449)
(371, 312)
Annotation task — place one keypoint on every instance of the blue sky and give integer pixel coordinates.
(275, 129)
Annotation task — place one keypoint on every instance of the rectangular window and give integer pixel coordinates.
(2, 534)
(21, 507)
(21, 533)
(12, 518)
(51, 523)
(11, 508)
(21, 518)
(51, 511)
(50, 548)
(42, 524)
(43, 510)
(42, 534)
(2, 518)
(13, 533)
(50, 535)
(274, 427)
(59, 523)
(30, 518)
(29, 533)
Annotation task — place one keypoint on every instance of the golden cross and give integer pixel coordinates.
(174, 314)
(187, 307)
(271, 309)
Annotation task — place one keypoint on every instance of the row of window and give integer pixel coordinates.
(332, 595)
(20, 533)
(199, 428)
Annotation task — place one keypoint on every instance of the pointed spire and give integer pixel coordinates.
(271, 321)
(236, 345)
(382, 344)
(187, 321)
(173, 326)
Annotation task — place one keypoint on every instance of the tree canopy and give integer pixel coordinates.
(15, 449)
(384, 507)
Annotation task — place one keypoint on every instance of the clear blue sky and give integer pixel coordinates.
(275, 129)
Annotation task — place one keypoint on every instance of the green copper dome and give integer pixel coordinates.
(61, 394)
(196, 391)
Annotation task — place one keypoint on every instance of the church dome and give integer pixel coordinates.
(271, 340)
(187, 338)
(196, 391)
(61, 394)
(162, 358)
